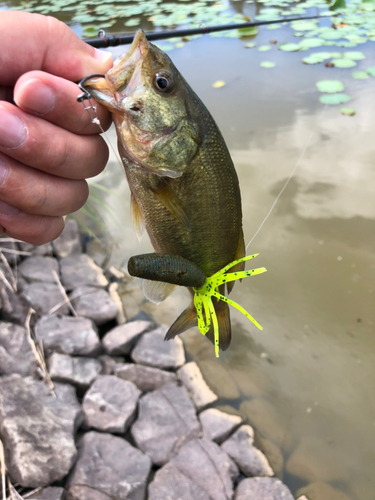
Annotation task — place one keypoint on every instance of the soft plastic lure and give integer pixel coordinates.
(179, 271)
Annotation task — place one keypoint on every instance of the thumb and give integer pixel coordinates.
(50, 46)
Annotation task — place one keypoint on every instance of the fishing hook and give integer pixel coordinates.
(86, 96)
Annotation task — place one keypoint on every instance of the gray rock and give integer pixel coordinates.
(50, 493)
(81, 270)
(108, 364)
(13, 308)
(166, 420)
(108, 467)
(262, 488)
(322, 491)
(144, 377)
(198, 390)
(45, 249)
(37, 430)
(170, 484)
(16, 355)
(218, 425)
(264, 418)
(110, 404)
(44, 296)
(80, 372)
(208, 466)
(121, 340)
(240, 447)
(69, 241)
(38, 268)
(273, 454)
(152, 350)
(94, 303)
(68, 335)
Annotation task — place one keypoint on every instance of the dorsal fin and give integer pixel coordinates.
(172, 203)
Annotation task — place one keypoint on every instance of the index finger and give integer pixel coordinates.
(50, 46)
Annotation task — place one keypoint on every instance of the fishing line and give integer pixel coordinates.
(290, 176)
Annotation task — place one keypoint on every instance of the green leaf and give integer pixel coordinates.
(333, 99)
(330, 86)
(264, 48)
(267, 64)
(343, 63)
(337, 5)
(313, 59)
(354, 56)
(248, 31)
(289, 47)
(310, 43)
(371, 71)
(360, 75)
(250, 45)
(347, 111)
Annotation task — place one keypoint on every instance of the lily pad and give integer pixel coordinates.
(337, 5)
(267, 64)
(264, 48)
(371, 71)
(250, 45)
(333, 99)
(343, 63)
(360, 75)
(252, 31)
(289, 47)
(310, 43)
(354, 56)
(347, 111)
(313, 59)
(330, 86)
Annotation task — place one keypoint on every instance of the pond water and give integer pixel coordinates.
(307, 382)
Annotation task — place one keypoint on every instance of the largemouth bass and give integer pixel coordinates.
(183, 183)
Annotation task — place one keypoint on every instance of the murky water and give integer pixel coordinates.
(307, 382)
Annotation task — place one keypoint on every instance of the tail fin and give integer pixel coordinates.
(186, 320)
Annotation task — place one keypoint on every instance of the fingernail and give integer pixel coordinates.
(102, 55)
(8, 210)
(4, 172)
(40, 97)
(13, 131)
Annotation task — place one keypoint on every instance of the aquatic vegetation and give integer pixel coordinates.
(330, 86)
(347, 111)
(268, 64)
(333, 99)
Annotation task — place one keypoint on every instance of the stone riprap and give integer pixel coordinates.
(140, 407)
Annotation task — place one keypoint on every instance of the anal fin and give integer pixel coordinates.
(240, 252)
(186, 320)
(156, 291)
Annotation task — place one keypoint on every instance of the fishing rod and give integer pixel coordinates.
(115, 40)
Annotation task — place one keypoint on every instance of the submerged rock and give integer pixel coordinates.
(208, 466)
(108, 467)
(240, 447)
(262, 488)
(218, 425)
(68, 335)
(152, 350)
(166, 420)
(110, 404)
(37, 430)
(144, 377)
(198, 390)
(321, 491)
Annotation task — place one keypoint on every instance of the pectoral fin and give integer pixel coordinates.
(156, 291)
(172, 203)
(186, 320)
(137, 217)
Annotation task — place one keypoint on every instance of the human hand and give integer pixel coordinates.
(48, 145)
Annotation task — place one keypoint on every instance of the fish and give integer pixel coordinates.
(184, 187)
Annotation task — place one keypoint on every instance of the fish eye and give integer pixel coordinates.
(163, 82)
